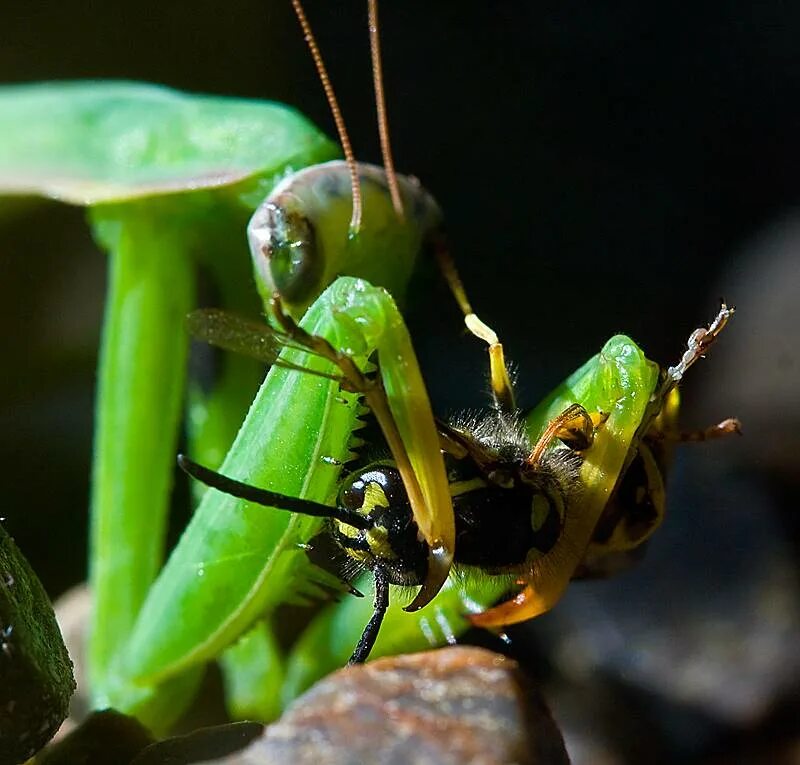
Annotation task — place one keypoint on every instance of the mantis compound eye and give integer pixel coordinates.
(284, 247)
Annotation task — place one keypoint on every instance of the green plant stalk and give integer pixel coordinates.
(139, 399)
(253, 672)
(214, 416)
(202, 164)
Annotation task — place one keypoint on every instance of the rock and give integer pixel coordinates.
(35, 671)
(454, 706)
(446, 707)
(200, 745)
(103, 738)
(73, 610)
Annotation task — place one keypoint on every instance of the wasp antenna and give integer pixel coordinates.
(380, 104)
(269, 498)
(327, 86)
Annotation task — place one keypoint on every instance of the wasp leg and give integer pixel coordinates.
(370, 633)
(577, 431)
(728, 427)
(502, 389)
(698, 345)
(574, 426)
(461, 444)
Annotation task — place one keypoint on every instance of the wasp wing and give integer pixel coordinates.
(248, 338)
(235, 333)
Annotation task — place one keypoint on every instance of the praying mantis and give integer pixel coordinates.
(235, 564)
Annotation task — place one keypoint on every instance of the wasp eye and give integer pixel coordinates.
(351, 494)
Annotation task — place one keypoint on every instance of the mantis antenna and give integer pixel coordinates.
(380, 104)
(347, 148)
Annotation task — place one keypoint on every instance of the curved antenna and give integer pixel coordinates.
(380, 104)
(355, 220)
(268, 498)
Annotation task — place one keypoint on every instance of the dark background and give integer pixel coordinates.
(602, 168)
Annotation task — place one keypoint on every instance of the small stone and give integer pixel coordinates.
(35, 671)
(104, 737)
(73, 611)
(446, 707)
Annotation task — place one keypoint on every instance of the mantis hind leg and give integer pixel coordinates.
(370, 633)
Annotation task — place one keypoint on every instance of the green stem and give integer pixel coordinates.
(214, 416)
(140, 392)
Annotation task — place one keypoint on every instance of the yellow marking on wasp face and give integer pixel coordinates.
(374, 496)
(346, 530)
(462, 487)
(540, 508)
(376, 537)
(378, 541)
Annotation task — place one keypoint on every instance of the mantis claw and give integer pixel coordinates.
(440, 559)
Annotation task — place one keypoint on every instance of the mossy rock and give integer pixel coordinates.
(36, 679)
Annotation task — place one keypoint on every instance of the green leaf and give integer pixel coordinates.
(90, 142)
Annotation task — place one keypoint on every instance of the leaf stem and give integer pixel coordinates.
(139, 397)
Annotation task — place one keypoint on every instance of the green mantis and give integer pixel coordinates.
(170, 181)
(236, 563)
